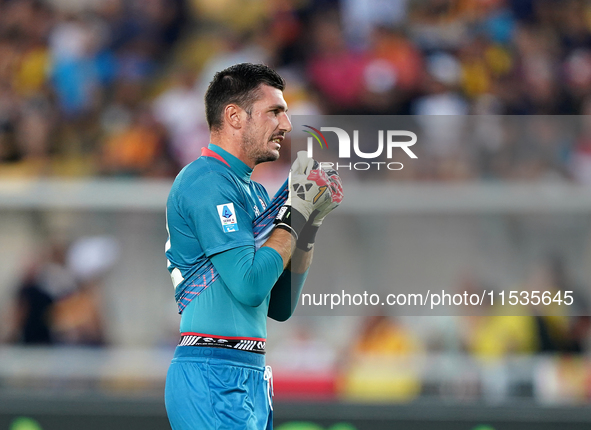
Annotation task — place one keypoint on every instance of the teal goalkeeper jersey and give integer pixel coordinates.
(210, 210)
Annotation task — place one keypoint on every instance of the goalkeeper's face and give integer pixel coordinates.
(266, 126)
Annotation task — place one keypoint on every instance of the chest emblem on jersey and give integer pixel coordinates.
(228, 217)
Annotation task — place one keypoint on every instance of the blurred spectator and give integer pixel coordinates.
(303, 366)
(361, 18)
(393, 73)
(334, 69)
(494, 337)
(563, 333)
(59, 298)
(546, 328)
(137, 149)
(180, 108)
(381, 335)
(44, 284)
(78, 317)
(442, 97)
(383, 364)
(75, 45)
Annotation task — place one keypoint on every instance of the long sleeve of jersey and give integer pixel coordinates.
(286, 295)
(249, 275)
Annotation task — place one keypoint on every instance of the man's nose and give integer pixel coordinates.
(285, 123)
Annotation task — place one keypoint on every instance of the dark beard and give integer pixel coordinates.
(256, 153)
(263, 158)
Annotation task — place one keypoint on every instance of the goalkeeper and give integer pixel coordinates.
(235, 256)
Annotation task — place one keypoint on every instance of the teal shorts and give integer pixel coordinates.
(210, 388)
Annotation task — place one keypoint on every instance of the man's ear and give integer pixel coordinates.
(233, 115)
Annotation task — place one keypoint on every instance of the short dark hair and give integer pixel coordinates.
(237, 84)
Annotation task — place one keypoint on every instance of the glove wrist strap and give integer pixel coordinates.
(307, 237)
(290, 219)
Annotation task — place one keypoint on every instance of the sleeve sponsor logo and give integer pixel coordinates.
(228, 217)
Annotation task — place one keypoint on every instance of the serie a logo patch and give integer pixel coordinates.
(228, 217)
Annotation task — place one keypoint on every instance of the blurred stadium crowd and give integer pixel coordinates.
(61, 302)
(494, 358)
(115, 87)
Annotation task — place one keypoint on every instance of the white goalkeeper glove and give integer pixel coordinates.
(309, 191)
(308, 234)
(336, 197)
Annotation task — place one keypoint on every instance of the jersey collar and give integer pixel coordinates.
(237, 166)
